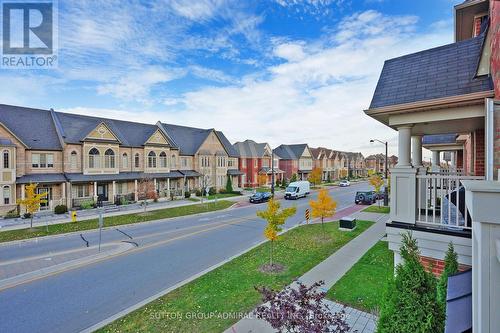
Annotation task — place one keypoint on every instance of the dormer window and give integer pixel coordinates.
(152, 159)
(478, 23)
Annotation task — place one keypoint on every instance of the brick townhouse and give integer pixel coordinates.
(447, 99)
(77, 158)
(255, 161)
(295, 159)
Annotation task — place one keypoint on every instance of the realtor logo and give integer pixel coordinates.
(28, 34)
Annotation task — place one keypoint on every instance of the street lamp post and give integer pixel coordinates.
(386, 195)
(272, 173)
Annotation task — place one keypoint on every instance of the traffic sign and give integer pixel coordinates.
(307, 215)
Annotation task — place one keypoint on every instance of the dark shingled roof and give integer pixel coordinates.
(250, 148)
(188, 139)
(230, 149)
(234, 172)
(443, 71)
(33, 127)
(439, 139)
(41, 178)
(78, 177)
(290, 152)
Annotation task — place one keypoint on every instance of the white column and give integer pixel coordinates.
(95, 191)
(416, 142)
(136, 193)
(114, 191)
(404, 147)
(452, 159)
(63, 196)
(435, 160)
(168, 188)
(69, 196)
(481, 199)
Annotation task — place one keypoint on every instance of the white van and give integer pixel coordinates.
(297, 190)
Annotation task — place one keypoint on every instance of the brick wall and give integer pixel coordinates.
(468, 152)
(495, 73)
(460, 158)
(436, 266)
(480, 157)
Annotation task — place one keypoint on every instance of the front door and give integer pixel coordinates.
(45, 205)
(102, 192)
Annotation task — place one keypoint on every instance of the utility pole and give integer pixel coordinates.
(386, 172)
(272, 173)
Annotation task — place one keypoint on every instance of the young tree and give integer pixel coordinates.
(294, 178)
(32, 200)
(410, 303)
(323, 207)
(275, 218)
(450, 268)
(229, 185)
(300, 309)
(315, 176)
(278, 183)
(146, 190)
(262, 179)
(377, 182)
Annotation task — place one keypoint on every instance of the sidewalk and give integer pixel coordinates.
(330, 271)
(42, 219)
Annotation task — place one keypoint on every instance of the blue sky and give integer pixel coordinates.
(282, 71)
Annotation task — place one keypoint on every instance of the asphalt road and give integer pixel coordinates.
(168, 252)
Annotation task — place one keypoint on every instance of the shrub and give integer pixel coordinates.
(11, 214)
(199, 193)
(212, 191)
(123, 201)
(294, 178)
(450, 268)
(187, 194)
(410, 303)
(27, 215)
(60, 209)
(87, 204)
(229, 185)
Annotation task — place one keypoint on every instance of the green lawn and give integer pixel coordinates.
(230, 288)
(63, 228)
(362, 287)
(377, 209)
(222, 196)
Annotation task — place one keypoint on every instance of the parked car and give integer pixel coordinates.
(365, 197)
(260, 197)
(297, 190)
(344, 183)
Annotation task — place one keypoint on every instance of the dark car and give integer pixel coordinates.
(260, 197)
(365, 197)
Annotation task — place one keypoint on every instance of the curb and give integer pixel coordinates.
(72, 264)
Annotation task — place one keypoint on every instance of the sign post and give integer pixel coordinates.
(307, 215)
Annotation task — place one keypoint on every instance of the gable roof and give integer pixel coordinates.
(187, 139)
(33, 127)
(444, 71)
(290, 152)
(230, 149)
(250, 148)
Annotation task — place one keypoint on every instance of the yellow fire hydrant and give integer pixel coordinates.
(73, 216)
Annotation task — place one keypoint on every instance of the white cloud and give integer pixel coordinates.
(290, 51)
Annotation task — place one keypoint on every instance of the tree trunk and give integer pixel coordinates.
(271, 253)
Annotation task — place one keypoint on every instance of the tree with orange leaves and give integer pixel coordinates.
(325, 206)
(315, 176)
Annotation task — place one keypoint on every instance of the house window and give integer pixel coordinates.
(230, 163)
(42, 160)
(6, 195)
(244, 163)
(255, 163)
(73, 162)
(184, 162)
(94, 158)
(80, 191)
(174, 162)
(151, 159)
(125, 160)
(163, 160)
(6, 159)
(137, 160)
(109, 159)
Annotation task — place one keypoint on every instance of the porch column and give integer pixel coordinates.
(436, 163)
(168, 188)
(481, 199)
(63, 195)
(136, 193)
(69, 195)
(416, 142)
(154, 183)
(95, 191)
(452, 159)
(23, 189)
(114, 191)
(404, 147)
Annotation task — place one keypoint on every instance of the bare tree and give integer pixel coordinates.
(147, 191)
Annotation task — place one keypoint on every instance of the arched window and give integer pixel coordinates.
(173, 162)
(109, 159)
(94, 158)
(73, 160)
(137, 160)
(152, 159)
(6, 159)
(163, 160)
(124, 160)
(6, 195)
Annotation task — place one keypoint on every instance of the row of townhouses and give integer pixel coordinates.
(295, 159)
(447, 99)
(77, 158)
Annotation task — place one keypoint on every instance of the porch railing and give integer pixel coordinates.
(449, 172)
(441, 201)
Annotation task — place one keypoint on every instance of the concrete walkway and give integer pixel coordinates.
(330, 271)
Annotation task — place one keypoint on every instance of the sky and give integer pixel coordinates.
(276, 71)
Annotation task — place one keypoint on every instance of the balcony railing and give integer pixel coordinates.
(449, 172)
(441, 201)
